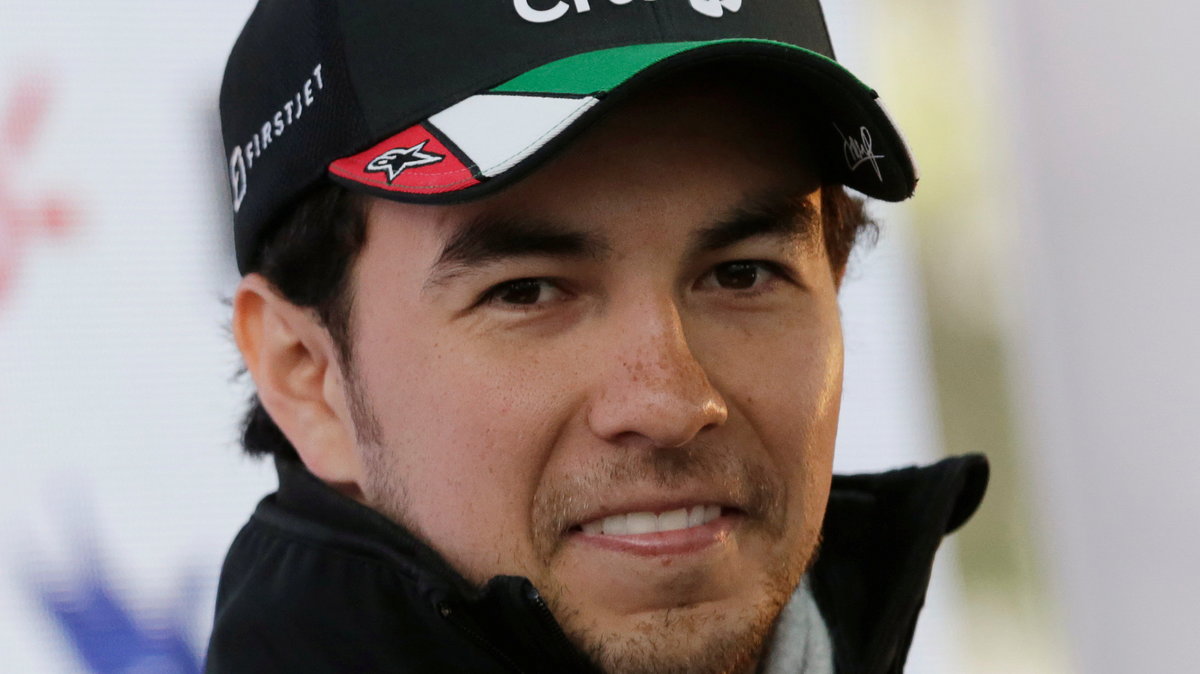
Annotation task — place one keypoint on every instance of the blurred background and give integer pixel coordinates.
(1037, 301)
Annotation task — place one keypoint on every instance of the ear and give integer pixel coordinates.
(294, 363)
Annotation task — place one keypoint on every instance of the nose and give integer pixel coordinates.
(651, 387)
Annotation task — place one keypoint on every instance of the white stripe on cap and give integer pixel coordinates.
(496, 131)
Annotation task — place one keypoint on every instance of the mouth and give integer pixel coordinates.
(656, 533)
(648, 522)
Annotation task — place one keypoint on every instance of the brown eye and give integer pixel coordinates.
(522, 291)
(737, 275)
(524, 294)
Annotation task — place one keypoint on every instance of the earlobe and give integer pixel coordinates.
(292, 360)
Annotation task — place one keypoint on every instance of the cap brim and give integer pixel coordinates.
(489, 140)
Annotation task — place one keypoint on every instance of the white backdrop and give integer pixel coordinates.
(118, 413)
(1105, 96)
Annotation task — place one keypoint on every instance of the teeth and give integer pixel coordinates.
(711, 512)
(617, 525)
(649, 523)
(641, 523)
(673, 520)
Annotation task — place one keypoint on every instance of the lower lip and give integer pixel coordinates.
(678, 542)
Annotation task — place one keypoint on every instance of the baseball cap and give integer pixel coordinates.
(443, 101)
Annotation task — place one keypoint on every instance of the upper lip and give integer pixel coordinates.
(655, 504)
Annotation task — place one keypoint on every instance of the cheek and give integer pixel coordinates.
(786, 387)
(797, 422)
(467, 438)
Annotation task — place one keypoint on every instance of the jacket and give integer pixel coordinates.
(316, 582)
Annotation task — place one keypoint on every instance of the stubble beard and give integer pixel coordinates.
(693, 639)
(684, 640)
(715, 644)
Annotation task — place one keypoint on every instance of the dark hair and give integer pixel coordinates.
(309, 254)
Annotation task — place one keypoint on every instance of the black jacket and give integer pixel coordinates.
(318, 583)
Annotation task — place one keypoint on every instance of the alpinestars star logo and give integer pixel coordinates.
(397, 160)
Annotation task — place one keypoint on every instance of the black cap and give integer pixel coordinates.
(439, 101)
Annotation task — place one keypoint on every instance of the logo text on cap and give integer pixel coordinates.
(526, 10)
(241, 160)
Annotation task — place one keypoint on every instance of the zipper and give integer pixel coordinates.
(447, 612)
(548, 618)
(551, 623)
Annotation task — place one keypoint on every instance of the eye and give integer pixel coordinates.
(741, 275)
(737, 275)
(523, 293)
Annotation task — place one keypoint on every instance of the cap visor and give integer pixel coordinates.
(491, 139)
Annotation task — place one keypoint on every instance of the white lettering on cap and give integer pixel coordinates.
(237, 177)
(714, 8)
(241, 160)
(527, 12)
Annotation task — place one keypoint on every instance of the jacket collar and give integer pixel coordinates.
(880, 534)
(508, 610)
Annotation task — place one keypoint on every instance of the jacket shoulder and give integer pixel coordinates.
(288, 604)
(879, 539)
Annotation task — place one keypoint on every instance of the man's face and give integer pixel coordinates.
(619, 378)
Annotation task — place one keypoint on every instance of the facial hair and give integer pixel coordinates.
(682, 639)
(727, 644)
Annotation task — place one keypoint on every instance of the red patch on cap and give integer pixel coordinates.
(412, 161)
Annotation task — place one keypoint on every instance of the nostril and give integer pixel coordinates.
(654, 417)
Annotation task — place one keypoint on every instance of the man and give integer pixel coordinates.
(540, 301)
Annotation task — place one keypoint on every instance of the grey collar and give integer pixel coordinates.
(800, 643)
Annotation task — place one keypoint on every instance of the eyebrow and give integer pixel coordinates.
(488, 239)
(780, 214)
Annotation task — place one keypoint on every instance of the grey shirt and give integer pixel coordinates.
(800, 644)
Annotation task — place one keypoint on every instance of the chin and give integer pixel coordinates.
(702, 624)
(697, 639)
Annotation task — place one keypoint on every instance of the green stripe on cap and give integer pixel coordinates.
(602, 70)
